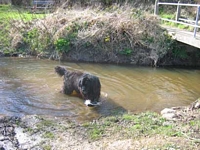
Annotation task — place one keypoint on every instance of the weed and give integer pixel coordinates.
(192, 123)
(128, 117)
(31, 38)
(112, 119)
(96, 132)
(47, 147)
(4, 35)
(49, 135)
(168, 16)
(62, 45)
(88, 44)
(45, 124)
(29, 130)
(36, 41)
(9, 12)
(137, 13)
(126, 52)
(86, 124)
(179, 53)
(136, 125)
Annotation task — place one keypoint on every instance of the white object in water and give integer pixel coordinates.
(104, 94)
(88, 103)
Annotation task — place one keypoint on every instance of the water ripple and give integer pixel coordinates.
(28, 86)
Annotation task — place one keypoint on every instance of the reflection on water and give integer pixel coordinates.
(29, 86)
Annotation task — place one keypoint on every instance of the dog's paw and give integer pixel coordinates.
(89, 104)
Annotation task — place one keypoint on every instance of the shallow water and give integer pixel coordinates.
(29, 86)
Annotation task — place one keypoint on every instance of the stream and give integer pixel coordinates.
(30, 86)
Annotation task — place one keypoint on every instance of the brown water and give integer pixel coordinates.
(29, 86)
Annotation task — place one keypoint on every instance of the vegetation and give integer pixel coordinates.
(13, 27)
(172, 16)
(117, 30)
(144, 124)
(149, 129)
(9, 13)
(112, 33)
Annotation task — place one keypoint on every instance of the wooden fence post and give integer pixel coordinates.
(156, 8)
(178, 12)
(196, 22)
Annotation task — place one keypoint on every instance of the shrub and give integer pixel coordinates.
(126, 52)
(62, 45)
(179, 53)
(31, 38)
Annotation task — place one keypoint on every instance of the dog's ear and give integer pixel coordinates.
(80, 82)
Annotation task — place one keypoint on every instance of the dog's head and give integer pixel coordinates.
(90, 87)
(60, 70)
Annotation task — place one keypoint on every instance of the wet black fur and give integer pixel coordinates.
(86, 84)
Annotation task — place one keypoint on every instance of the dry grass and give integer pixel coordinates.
(117, 30)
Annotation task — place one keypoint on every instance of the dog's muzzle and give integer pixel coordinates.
(90, 104)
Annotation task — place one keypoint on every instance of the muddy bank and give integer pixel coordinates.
(129, 131)
(186, 57)
(189, 57)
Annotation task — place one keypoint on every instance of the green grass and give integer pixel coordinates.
(49, 135)
(168, 16)
(8, 12)
(134, 126)
(172, 24)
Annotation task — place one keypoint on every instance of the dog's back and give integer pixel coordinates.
(60, 70)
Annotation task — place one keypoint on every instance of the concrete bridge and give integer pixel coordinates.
(184, 36)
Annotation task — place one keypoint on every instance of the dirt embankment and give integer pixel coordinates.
(120, 34)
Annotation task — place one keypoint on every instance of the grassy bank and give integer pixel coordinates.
(149, 129)
(9, 13)
(128, 131)
(14, 19)
(116, 34)
(146, 130)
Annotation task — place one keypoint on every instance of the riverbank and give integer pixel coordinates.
(119, 34)
(128, 131)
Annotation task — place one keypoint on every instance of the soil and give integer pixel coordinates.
(140, 56)
(44, 132)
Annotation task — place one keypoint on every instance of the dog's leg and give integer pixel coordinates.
(67, 90)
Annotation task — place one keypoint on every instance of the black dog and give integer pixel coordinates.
(86, 84)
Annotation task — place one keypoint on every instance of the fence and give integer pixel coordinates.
(178, 19)
(4, 1)
(42, 3)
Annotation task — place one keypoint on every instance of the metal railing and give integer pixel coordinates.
(42, 4)
(193, 23)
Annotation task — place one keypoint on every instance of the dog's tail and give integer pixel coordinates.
(60, 70)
